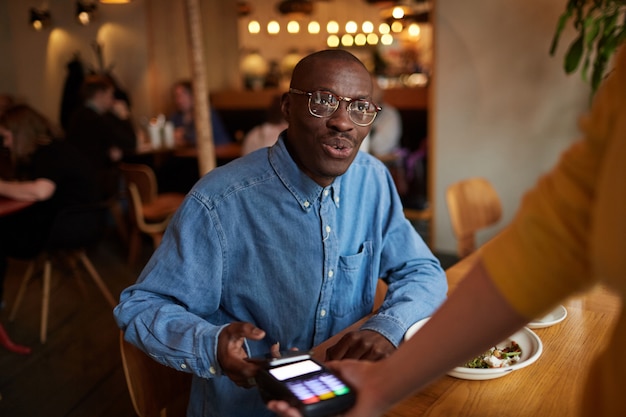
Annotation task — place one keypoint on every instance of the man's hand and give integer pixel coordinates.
(362, 345)
(231, 354)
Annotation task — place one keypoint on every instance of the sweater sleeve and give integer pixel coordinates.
(544, 256)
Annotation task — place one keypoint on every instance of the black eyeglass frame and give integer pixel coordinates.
(339, 98)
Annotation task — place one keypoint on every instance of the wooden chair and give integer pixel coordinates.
(150, 212)
(473, 204)
(73, 231)
(155, 390)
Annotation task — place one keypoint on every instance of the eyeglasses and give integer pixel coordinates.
(324, 103)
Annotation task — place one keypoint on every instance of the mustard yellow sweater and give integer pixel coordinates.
(570, 233)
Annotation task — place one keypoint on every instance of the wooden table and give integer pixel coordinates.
(552, 386)
(10, 206)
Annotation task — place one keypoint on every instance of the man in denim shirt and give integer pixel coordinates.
(285, 245)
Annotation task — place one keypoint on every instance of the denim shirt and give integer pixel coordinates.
(258, 241)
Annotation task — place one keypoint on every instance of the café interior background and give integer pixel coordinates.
(500, 106)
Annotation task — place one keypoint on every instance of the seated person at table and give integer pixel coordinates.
(185, 128)
(568, 236)
(265, 134)
(179, 173)
(47, 171)
(102, 130)
(285, 245)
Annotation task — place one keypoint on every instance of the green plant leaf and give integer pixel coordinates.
(559, 29)
(574, 53)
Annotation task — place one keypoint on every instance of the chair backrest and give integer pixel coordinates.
(144, 178)
(155, 390)
(473, 204)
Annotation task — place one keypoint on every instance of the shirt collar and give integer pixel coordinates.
(302, 187)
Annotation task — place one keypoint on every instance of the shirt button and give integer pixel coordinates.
(183, 366)
(306, 204)
(325, 193)
(212, 370)
(330, 273)
(327, 229)
(323, 313)
(337, 200)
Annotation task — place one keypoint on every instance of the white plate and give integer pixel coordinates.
(528, 341)
(555, 316)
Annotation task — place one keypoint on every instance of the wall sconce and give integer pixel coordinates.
(85, 12)
(39, 18)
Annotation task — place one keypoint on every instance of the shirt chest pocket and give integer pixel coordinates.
(354, 287)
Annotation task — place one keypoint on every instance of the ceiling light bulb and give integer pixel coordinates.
(314, 27)
(351, 26)
(293, 27)
(254, 27)
(347, 40)
(332, 27)
(398, 12)
(414, 30)
(386, 39)
(273, 27)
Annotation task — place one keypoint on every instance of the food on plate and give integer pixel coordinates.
(497, 357)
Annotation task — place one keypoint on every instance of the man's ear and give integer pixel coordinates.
(285, 106)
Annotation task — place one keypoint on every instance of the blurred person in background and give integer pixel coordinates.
(102, 130)
(266, 134)
(180, 172)
(384, 138)
(47, 171)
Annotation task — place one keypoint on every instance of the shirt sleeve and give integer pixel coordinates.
(165, 313)
(417, 284)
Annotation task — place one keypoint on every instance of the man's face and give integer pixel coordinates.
(324, 147)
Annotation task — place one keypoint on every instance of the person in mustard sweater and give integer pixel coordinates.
(568, 235)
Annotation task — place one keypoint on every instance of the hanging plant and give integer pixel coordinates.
(601, 27)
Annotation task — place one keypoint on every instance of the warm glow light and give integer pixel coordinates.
(396, 27)
(293, 26)
(351, 26)
(115, 1)
(397, 13)
(314, 27)
(37, 25)
(367, 26)
(83, 18)
(414, 30)
(273, 27)
(254, 27)
(383, 28)
(332, 41)
(347, 40)
(360, 39)
(372, 39)
(386, 39)
(332, 27)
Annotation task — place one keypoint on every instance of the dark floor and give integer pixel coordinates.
(78, 372)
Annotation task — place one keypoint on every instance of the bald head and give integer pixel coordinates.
(314, 61)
